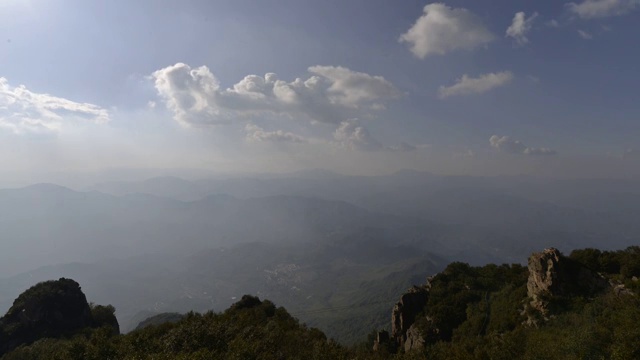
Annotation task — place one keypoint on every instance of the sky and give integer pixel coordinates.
(501, 87)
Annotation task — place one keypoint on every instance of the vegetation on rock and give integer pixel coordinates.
(487, 313)
(466, 313)
(52, 309)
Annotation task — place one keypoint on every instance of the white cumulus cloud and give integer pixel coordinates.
(511, 146)
(590, 9)
(467, 85)
(22, 110)
(352, 135)
(442, 29)
(331, 94)
(258, 134)
(520, 26)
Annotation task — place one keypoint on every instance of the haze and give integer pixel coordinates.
(307, 140)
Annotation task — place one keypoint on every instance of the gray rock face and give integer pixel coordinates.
(414, 339)
(551, 275)
(621, 290)
(382, 338)
(404, 315)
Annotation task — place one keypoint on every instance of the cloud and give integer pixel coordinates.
(442, 29)
(511, 146)
(590, 9)
(520, 26)
(352, 135)
(539, 151)
(467, 85)
(402, 147)
(469, 154)
(24, 111)
(533, 79)
(585, 35)
(350, 88)
(331, 94)
(256, 133)
(553, 23)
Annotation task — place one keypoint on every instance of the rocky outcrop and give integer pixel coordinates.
(405, 312)
(404, 332)
(415, 339)
(48, 309)
(553, 275)
(621, 290)
(382, 340)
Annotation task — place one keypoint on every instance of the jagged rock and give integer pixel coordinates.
(415, 339)
(382, 339)
(551, 274)
(621, 290)
(405, 312)
(48, 309)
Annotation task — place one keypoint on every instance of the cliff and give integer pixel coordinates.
(552, 275)
(465, 302)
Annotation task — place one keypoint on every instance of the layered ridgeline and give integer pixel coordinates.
(334, 250)
(581, 306)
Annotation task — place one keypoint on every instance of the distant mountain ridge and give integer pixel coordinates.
(65, 225)
(274, 235)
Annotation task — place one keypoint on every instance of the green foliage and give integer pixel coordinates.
(472, 313)
(48, 309)
(105, 316)
(160, 319)
(251, 329)
(461, 300)
(625, 263)
(486, 311)
(43, 293)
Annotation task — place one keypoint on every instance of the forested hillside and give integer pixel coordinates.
(581, 306)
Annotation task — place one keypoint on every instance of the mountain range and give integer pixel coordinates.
(333, 249)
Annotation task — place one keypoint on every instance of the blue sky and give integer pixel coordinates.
(463, 87)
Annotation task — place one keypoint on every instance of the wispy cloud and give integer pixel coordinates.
(585, 35)
(258, 134)
(589, 9)
(22, 110)
(511, 146)
(467, 85)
